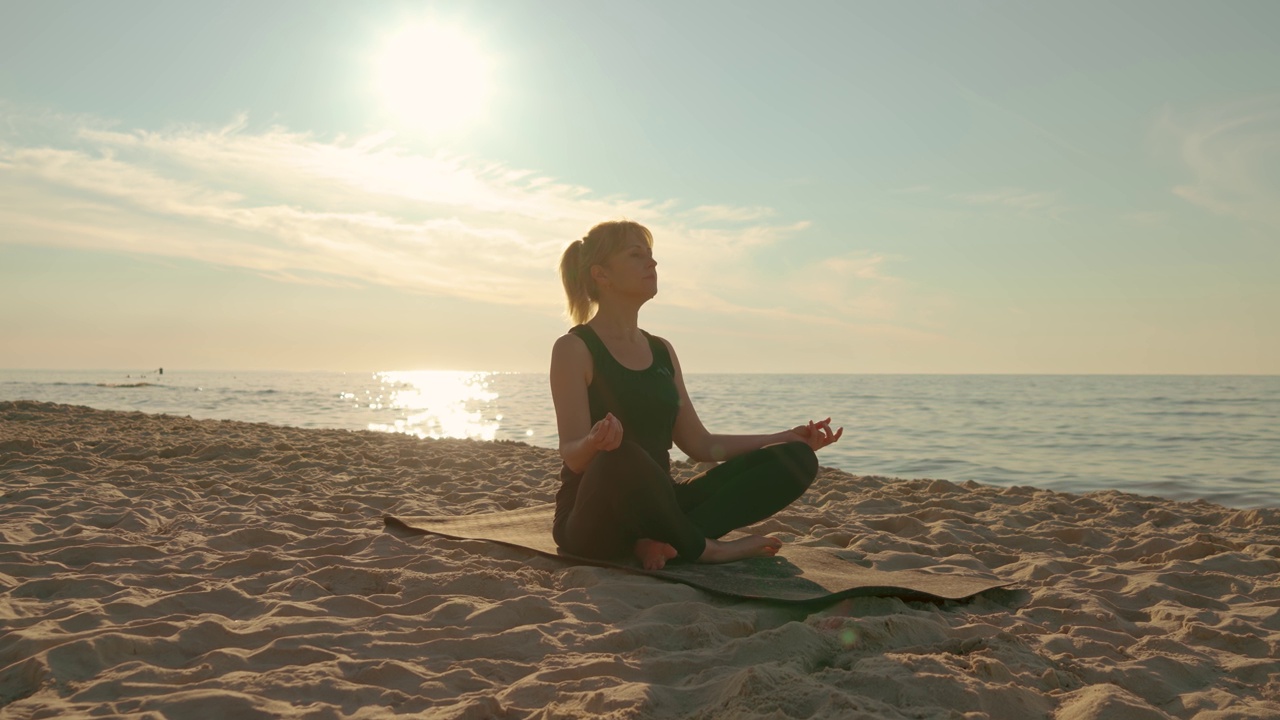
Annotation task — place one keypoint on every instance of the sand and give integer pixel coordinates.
(155, 566)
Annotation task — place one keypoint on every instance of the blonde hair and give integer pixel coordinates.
(575, 264)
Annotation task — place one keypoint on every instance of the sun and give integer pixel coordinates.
(433, 77)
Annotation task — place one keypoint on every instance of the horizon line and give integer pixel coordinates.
(544, 372)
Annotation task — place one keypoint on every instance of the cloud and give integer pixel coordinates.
(858, 266)
(1146, 218)
(847, 295)
(1016, 199)
(298, 208)
(725, 213)
(1231, 152)
(351, 212)
(857, 282)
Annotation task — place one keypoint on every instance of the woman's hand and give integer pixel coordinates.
(817, 434)
(606, 435)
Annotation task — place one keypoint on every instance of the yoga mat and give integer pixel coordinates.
(798, 574)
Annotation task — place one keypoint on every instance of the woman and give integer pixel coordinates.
(620, 402)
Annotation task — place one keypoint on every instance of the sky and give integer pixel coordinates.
(833, 187)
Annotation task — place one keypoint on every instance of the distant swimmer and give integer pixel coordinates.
(609, 377)
(161, 371)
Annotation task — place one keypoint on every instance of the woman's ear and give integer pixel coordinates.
(598, 276)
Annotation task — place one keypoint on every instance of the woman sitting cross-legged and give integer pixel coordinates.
(620, 402)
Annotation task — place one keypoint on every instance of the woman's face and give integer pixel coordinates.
(632, 270)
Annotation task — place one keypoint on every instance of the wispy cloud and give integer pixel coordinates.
(1027, 201)
(298, 208)
(725, 213)
(1145, 218)
(860, 283)
(1019, 201)
(1231, 151)
(347, 212)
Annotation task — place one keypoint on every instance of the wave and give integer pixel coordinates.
(1198, 413)
(1161, 399)
(83, 384)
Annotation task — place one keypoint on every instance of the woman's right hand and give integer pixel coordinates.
(606, 435)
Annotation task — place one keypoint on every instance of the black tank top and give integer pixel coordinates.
(646, 402)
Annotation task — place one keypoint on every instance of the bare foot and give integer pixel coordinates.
(719, 551)
(653, 555)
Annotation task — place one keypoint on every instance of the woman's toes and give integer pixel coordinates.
(653, 555)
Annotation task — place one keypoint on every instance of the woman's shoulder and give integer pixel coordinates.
(571, 345)
(571, 339)
(571, 355)
(661, 344)
(582, 333)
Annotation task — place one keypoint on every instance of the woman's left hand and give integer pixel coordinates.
(817, 434)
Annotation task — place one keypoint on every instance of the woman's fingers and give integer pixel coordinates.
(818, 434)
(613, 432)
(617, 429)
(601, 433)
(821, 435)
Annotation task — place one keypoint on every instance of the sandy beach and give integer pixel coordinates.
(156, 566)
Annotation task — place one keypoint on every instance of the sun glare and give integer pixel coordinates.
(433, 77)
(439, 404)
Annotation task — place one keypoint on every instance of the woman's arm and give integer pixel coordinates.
(692, 437)
(570, 376)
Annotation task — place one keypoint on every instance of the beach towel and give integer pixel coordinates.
(798, 574)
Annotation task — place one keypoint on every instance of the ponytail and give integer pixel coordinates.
(603, 241)
(576, 279)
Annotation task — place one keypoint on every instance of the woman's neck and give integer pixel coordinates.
(621, 323)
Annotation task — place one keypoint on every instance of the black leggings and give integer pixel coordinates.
(625, 495)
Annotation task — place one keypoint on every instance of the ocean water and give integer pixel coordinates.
(1179, 437)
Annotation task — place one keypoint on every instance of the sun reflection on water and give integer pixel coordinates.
(437, 404)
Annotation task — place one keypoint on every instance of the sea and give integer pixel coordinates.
(1182, 437)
